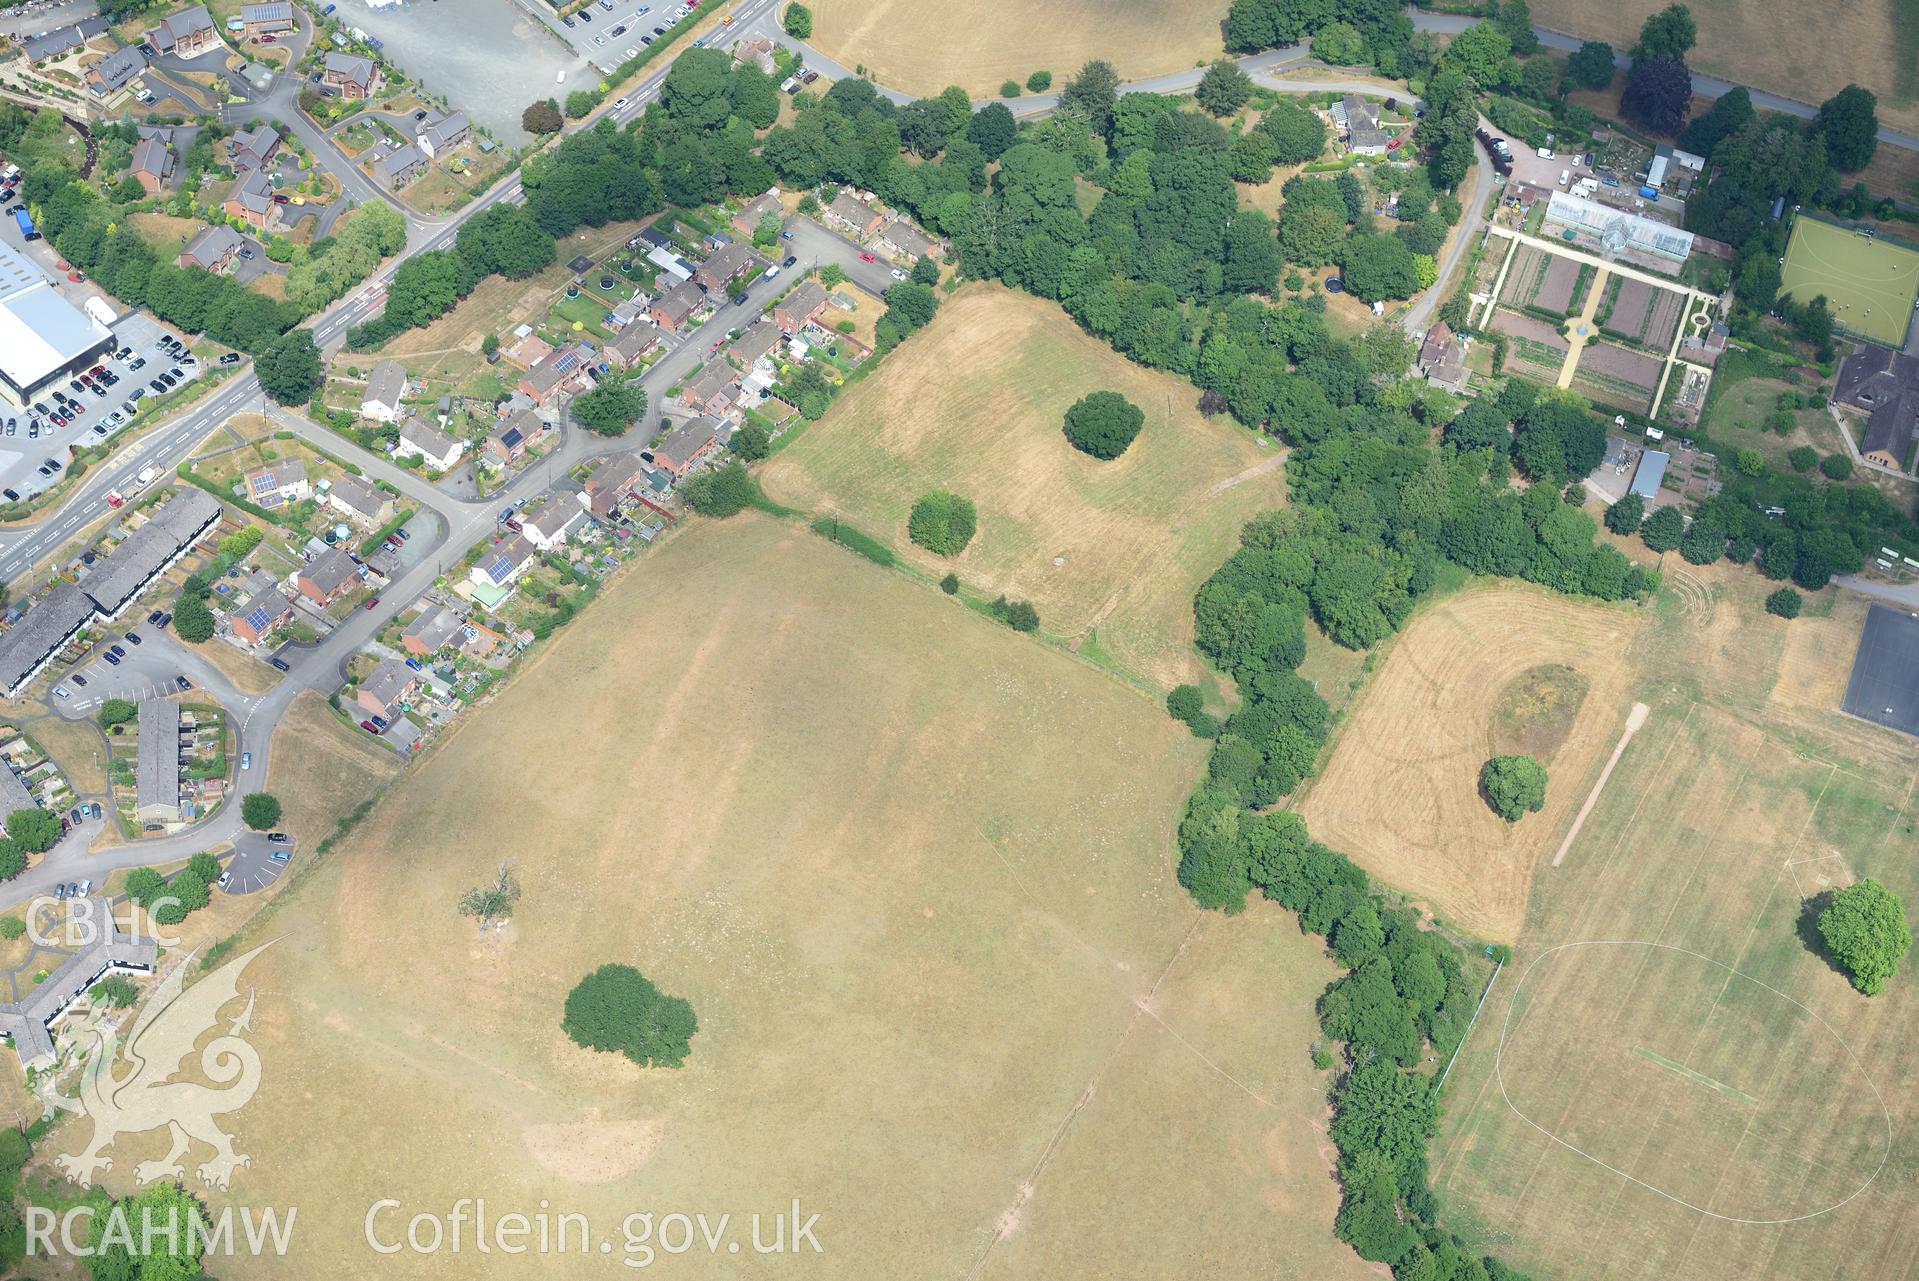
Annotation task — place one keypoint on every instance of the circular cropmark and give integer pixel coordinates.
(1692, 1079)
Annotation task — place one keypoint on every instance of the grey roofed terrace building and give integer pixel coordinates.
(157, 773)
(27, 1021)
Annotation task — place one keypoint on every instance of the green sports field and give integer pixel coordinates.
(1870, 283)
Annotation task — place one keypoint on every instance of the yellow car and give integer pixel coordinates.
(299, 200)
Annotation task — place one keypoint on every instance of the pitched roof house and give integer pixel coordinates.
(186, 34)
(693, 440)
(546, 380)
(753, 344)
(213, 249)
(1363, 134)
(251, 201)
(440, 132)
(153, 164)
(264, 611)
(328, 577)
(390, 684)
(277, 483)
(359, 502)
(904, 240)
(435, 628)
(115, 71)
(633, 344)
(385, 386)
(349, 75)
(610, 483)
(723, 266)
(1885, 385)
(747, 220)
(435, 448)
(266, 19)
(1442, 358)
(62, 41)
(157, 768)
(715, 391)
(511, 438)
(252, 148)
(853, 215)
(676, 306)
(549, 519)
(797, 310)
(502, 565)
(395, 169)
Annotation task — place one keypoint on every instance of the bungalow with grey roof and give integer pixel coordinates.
(63, 40)
(214, 249)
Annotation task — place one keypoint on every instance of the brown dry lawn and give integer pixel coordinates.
(975, 405)
(321, 770)
(1866, 42)
(1730, 1069)
(1400, 793)
(949, 992)
(920, 48)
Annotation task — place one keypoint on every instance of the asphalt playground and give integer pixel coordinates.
(1884, 686)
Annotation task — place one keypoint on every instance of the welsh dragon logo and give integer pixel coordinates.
(159, 1047)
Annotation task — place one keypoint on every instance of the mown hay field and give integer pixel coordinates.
(913, 871)
(1400, 794)
(974, 404)
(1874, 43)
(920, 48)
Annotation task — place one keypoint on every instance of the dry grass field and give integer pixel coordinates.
(1703, 1087)
(321, 770)
(1400, 794)
(913, 872)
(975, 405)
(920, 48)
(1874, 43)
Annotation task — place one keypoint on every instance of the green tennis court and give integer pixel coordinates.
(1871, 284)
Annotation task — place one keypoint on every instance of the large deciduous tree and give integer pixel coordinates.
(1658, 95)
(618, 1009)
(1865, 928)
(1850, 122)
(1670, 34)
(1103, 424)
(1591, 66)
(1514, 786)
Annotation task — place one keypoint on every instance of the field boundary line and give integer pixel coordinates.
(1635, 719)
(1499, 1072)
(1474, 1022)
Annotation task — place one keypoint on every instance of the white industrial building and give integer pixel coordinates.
(43, 337)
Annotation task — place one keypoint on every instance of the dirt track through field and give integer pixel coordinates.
(1634, 719)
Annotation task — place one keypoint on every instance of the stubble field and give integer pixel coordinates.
(1400, 794)
(921, 48)
(913, 872)
(1874, 43)
(1670, 1081)
(975, 405)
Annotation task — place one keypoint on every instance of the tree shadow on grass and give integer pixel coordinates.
(1810, 937)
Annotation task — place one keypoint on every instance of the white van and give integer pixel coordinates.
(1565, 176)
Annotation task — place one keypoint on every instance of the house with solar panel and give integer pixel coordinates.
(277, 484)
(512, 438)
(501, 566)
(264, 612)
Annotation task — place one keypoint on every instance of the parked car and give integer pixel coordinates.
(79, 680)
(279, 838)
(118, 651)
(371, 601)
(866, 257)
(279, 663)
(153, 616)
(61, 692)
(379, 722)
(246, 760)
(369, 727)
(133, 638)
(112, 661)
(182, 684)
